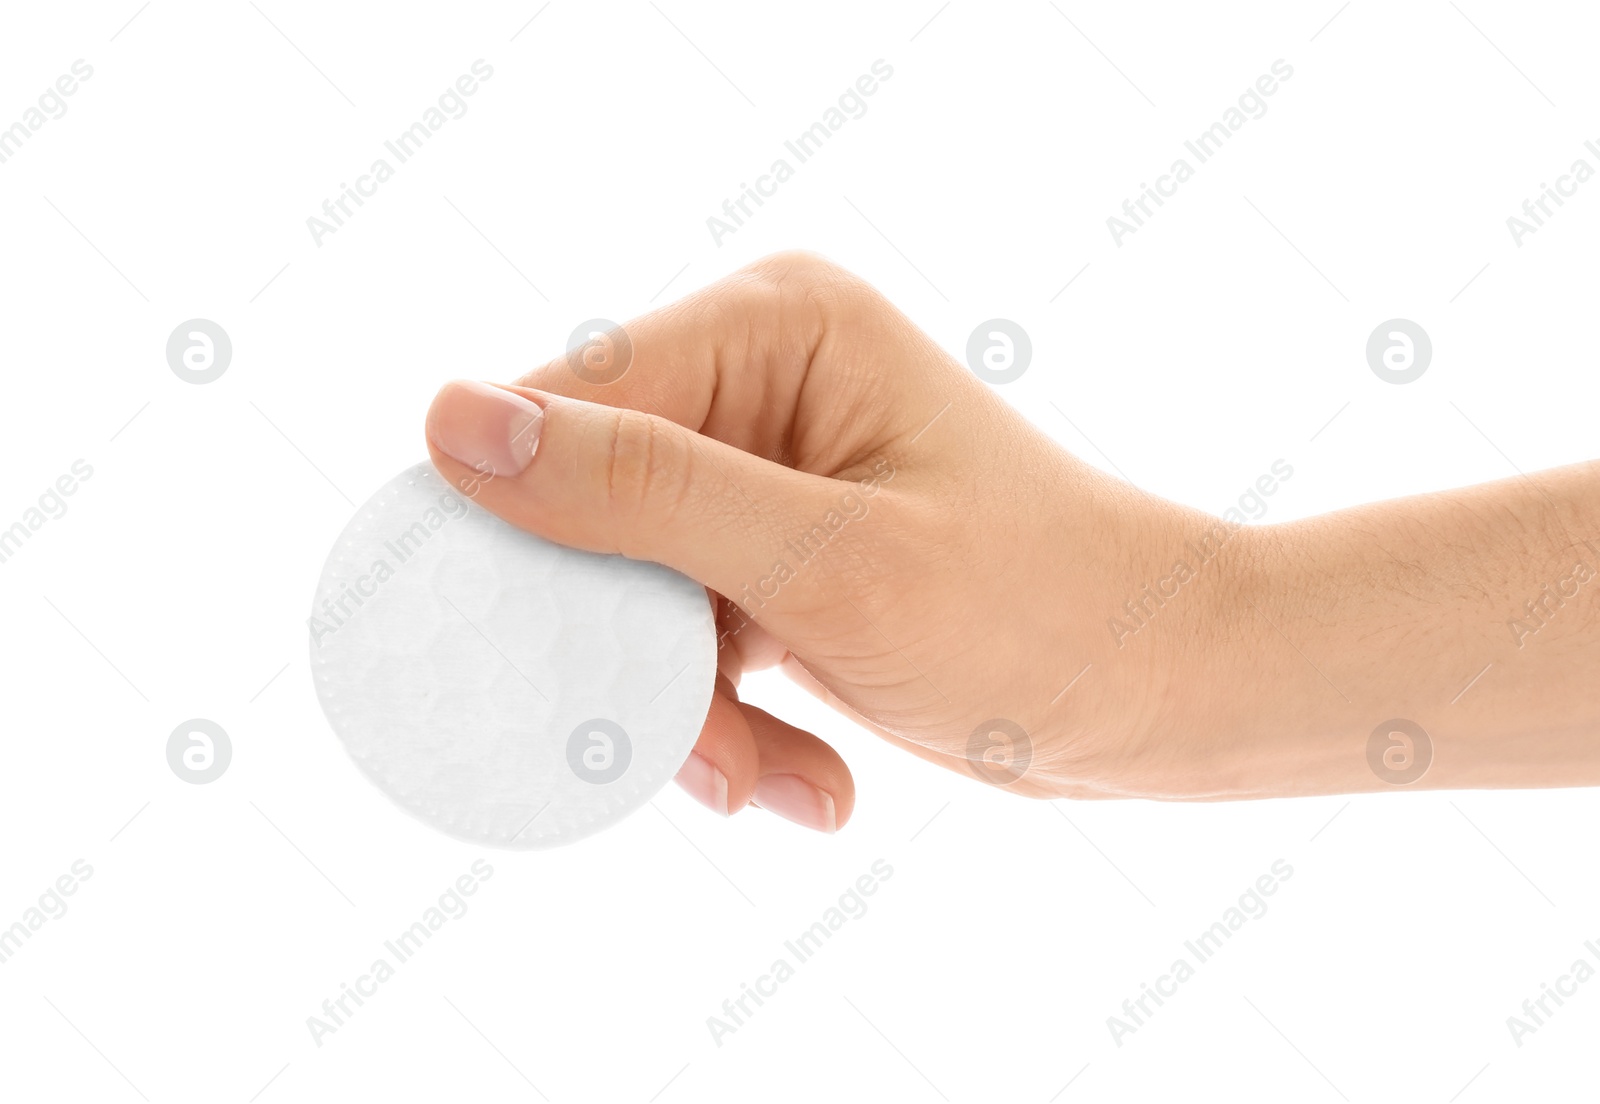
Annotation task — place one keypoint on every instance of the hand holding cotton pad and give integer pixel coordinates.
(504, 689)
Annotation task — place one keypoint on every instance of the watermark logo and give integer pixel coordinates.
(999, 751)
(999, 351)
(199, 351)
(599, 351)
(599, 751)
(1399, 751)
(199, 751)
(1399, 351)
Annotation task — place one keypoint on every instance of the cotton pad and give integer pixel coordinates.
(506, 690)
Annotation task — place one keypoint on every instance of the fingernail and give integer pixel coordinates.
(491, 430)
(793, 798)
(705, 783)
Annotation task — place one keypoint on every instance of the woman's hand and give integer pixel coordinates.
(870, 515)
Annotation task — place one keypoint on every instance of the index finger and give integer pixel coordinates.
(712, 362)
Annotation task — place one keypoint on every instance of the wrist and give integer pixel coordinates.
(1187, 669)
(1240, 701)
(1272, 707)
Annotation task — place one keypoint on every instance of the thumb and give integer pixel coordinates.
(608, 479)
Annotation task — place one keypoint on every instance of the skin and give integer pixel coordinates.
(967, 569)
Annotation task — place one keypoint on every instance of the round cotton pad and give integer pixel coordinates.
(506, 690)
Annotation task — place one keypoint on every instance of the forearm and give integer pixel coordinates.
(1474, 614)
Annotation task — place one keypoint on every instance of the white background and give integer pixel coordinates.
(1227, 333)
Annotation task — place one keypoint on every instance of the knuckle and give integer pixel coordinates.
(645, 468)
(798, 283)
(808, 276)
(798, 265)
